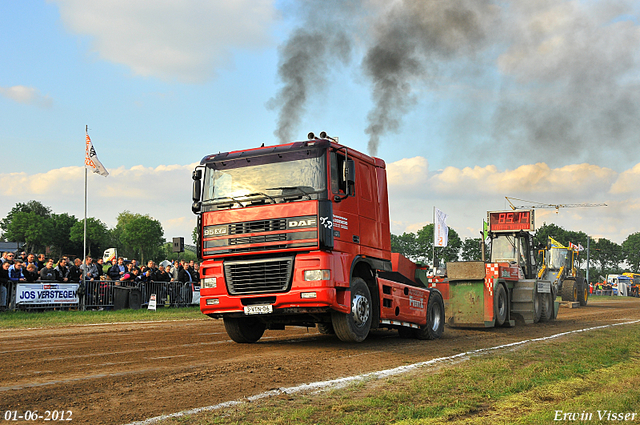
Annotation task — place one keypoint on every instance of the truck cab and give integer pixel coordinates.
(298, 234)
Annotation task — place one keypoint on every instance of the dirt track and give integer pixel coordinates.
(114, 374)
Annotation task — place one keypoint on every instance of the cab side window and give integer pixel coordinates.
(338, 184)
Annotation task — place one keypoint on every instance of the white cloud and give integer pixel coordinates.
(163, 192)
(27, 95)
(184, 40)
(466, 194)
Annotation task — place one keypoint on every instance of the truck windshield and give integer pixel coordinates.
(267, 179)
(503, 248)
(557, 258)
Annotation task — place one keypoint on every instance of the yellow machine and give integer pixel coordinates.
(559, 267)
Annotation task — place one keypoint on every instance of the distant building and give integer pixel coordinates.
(11, 246)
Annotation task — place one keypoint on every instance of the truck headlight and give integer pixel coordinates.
(312, 275)
(209, 282)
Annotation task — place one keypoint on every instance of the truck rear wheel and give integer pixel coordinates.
(355, 326)
(583, 293)
(570, 290)
(435, 318)
(500, 305)
(244, 329)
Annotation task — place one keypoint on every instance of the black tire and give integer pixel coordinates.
(548, 304)
(583, 293)
(326, 328)
(244, 329)
(537, 307)
(570, 290)
(435, 318)
(500, 305)
(355, 326)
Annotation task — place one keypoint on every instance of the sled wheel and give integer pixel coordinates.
(500, 305)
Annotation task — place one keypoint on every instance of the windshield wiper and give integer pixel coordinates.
(298, 188)
(222, 200)
(260, 194)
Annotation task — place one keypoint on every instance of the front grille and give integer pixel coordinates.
(258, 276)
(258, 239)
(257, 226)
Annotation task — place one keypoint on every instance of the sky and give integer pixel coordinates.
(466, 101)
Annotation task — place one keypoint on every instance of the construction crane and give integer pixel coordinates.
(543, 205)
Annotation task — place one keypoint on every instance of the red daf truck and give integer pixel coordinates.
(298, 235)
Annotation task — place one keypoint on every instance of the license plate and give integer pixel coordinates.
(258, 309)
(544, 287)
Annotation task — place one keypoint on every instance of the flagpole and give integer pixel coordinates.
(434, 239)
(84, 248)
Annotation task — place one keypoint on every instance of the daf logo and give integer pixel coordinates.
(302, 223)
(215, 231)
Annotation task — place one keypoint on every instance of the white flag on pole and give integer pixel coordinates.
(440, 231)
(91, 159)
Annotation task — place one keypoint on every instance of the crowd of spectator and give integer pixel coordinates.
(29, 268)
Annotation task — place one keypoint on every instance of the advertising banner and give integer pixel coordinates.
(47, 293)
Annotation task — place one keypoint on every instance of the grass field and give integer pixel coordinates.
(583, 375)
(38, 319)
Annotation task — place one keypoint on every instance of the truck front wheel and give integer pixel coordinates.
(355, 326)
(244, 329)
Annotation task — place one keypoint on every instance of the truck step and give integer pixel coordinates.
(570, 304)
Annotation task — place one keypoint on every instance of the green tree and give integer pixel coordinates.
(608, 255)
(31, 228)
(60, 236)
(141, 234)
(631, 251)
(97, 235)
(405, 244)
(471, 250)
(425, 246)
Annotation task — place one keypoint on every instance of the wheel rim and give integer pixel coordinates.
(575, 293)
(501, 306)
(361, 310)
(435, 317)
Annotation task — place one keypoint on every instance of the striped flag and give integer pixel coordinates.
(440, 231)
(91, 159)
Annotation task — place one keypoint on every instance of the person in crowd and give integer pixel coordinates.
(183, 272)
(31, 259)
(191, 267)
(149, 272)
(4, 284)
(175, 271)
(15, 272)
(118, 270)
(62, 271)
(134, 264)
(3, 258)
(47, 273)
(23, 256)
(90, 270)
(162, 275)
(131, 276)
(196, 272)
(30, 273)
(8, 257)
(41, 262)
(75, 272)
(100, 266)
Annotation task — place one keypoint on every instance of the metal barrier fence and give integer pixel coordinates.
(100, 294)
